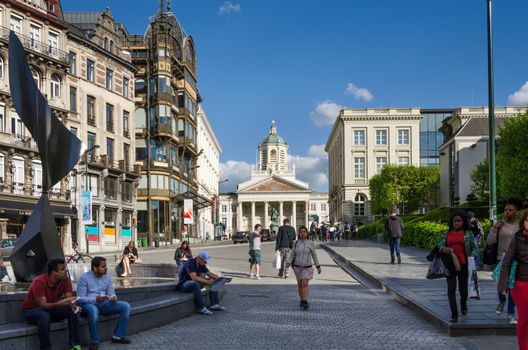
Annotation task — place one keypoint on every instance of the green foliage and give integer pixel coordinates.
(424, 234)
(480, 178)
(512, 158)
(404, 187)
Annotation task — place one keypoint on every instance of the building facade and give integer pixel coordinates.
(466, 133)
(208, 176)
(100, 89)
(42, 30)
(166, 103)
(272, 194)
(361, 142)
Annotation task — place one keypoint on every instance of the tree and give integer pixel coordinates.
(480, 178)
(405, 187)
(512, 158)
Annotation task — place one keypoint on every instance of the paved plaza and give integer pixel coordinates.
(265, 314)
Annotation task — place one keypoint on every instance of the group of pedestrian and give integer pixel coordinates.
(332, 231)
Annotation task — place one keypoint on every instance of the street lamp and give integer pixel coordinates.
(491, 120)
(85, 153)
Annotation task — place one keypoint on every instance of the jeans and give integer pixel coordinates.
(93, 311)
(394, 244)
(511, 303)
(477, 257)
(196, 288)
(520, 295)
(43, 318)
(462, 288)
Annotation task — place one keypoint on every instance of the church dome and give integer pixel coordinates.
(273, 137)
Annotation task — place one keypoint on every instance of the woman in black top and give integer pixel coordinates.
(130, 255)
(182, 254)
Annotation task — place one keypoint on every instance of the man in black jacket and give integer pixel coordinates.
(394, 227)
(284, 244)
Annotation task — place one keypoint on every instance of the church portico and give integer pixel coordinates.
(268, 213)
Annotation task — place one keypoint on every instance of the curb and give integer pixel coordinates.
(419, 305)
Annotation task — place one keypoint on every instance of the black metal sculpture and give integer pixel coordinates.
(59, 151)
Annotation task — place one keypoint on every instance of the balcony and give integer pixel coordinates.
(38, 47)
(126, 134)
(110, 126)
(126, 197)
(21, 189)
(91, 121)
(109, 194)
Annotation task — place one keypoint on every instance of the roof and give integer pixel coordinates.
(273, 137)
(480, 127)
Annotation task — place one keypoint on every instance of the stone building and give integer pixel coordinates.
(272, 194)
(100, 84)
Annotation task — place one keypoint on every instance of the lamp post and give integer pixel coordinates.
(216, 205)
(94, 147)
(491, 120)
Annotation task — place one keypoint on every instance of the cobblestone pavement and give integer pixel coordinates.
(265, 315)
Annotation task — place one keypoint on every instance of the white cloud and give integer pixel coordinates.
(325, 113)
(228, 7)
(317, 151)
(236, 171)
(359, 93)
(519, 97)
(312, 168)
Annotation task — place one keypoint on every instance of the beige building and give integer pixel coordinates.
(207, 175)
(361, 142)
(272, 194)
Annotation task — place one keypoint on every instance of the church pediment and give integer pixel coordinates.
(275, 184)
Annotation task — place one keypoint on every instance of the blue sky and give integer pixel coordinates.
(299, 61)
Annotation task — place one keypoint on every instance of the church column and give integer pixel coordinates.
(252, 216)
(266, 223)
(281, 213)
(239, 216)
(294, 215)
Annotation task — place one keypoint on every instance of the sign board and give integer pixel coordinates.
(188, 215)
(86, 207)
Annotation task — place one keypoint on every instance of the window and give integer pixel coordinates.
(90, 70)
(2, 66)
(90, 109)
(2, 118)
(313, 207)
(73, 130)
(34, 34)
(73, 63)
(126, 195)
(359, 137)
(323, 206)
(110, 188)
(2, 168)
(140, 118)
(359, 167)
(403, 136)
(109, 79)
(91, 144)
(91, 183)
(110, 149)
(381, 137)
(111, 46)
(164, 84)
(380, 163)
(403, 160)
(126, 155)
(16, 24)
(73, 99)
(18, 175)
(36, 76)
(37, 177)
(17, 127)
(224, 208)
(109, 117)
(125, 123)
(55, 86)
(359, 204)
(140, 86)
(53, 42)
(106, 45)
(52, 6)
(125, 87)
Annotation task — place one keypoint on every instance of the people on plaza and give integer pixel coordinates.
(190, 281)
(324, 232)
(354, 230)
(98, 297)
(332, 231)
(458, 241)
(348, 231)
(254, 252)
(130, 256)
(503, 232)
(476, 227)
(43, 304)
(182, 254)
(301, 258)
(394, 227)
(284, 244)
(518, 250)
(313, 230)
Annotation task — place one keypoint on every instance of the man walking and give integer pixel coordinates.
(284, 245)
(394, 227)
(98, 297)
(254, 252)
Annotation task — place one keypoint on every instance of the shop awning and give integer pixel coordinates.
(199, 201)
(25, 208)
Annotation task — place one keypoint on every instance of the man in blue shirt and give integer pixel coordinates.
(190, 281)
(98, 297)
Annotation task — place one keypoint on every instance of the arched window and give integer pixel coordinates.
(359, 204)
(17, 168)
(1, 67)
(36, 76)
(141, 118)
(55, 86)
(140, 86)
(2, 167)
(106, 46)
(111, 46)
(273, 156)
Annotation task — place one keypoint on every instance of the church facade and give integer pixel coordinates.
(272, 194)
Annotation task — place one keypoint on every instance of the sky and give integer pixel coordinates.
(299, 62)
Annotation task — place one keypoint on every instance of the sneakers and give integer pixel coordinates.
(399, 259)
(304, 304)
(500, 308)
(257, 277)
(512, 320)
(217, 307)
(75, 347)
(120, 340)
(205, 311)
(251, 275)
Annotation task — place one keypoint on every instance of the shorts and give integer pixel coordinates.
(255, 256)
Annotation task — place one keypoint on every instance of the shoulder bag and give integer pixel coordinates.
(489, 256)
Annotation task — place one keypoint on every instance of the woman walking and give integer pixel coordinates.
(503, 232)
(182, 254)
(518, 250)
(458, 241)
(130, 255)
(301, 257)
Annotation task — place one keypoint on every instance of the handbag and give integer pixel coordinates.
(432, 254)
(489, 255)
(277, 260)
(120, 269)
(495, 275)
(436, 269)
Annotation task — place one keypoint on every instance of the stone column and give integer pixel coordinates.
(266, 222)
(306, 216)
(281, 213)
(239, 216)
(3, 228)
(252, 216)
(294, 215)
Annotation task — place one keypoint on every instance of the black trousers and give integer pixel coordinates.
(462, 277)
